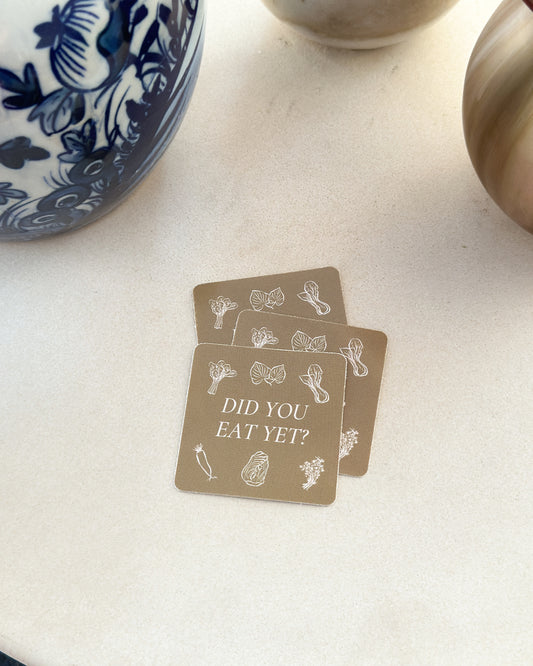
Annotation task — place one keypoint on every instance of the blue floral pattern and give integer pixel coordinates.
(125, 70)
(7, 192)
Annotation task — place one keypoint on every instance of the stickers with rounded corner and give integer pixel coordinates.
(262, 423)
(364, 351)
(313, 293)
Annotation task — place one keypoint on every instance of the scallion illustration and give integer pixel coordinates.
(313, 379)
(352, 353)
(310, 295)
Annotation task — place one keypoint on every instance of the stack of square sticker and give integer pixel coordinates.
(283, 393)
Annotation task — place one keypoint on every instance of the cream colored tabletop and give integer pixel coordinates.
(291, 156)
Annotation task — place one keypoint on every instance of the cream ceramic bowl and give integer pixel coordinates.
(358, 24)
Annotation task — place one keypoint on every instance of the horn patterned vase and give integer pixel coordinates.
(498, 109)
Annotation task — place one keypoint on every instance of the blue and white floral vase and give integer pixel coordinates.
(91, 93)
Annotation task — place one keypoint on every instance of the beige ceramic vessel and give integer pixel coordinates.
(358, 24)
(498, 109)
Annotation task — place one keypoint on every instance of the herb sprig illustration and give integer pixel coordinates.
(312, 471)
(348, 441)
(217, 372)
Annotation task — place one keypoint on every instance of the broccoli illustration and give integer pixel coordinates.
(219, 306)
(217, 372)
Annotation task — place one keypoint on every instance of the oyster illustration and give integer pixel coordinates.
(255, 471)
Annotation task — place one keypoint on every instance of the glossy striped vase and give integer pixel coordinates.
(498, 109)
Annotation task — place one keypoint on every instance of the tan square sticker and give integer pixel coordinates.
(315, 293)
(262, 423)
(364, 350)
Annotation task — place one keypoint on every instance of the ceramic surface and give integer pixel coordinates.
(498, 109)
(358, 24)
(91, 93)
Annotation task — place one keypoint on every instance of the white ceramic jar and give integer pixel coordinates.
(91, 92)
(358, 24)
(498, 109)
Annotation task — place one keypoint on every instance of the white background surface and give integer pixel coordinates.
(291, 156)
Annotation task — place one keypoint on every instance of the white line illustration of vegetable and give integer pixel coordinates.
(312, 471)
(348, 441)
(300, 341)
(352, 353)
(310, 295)
(260, 299)
(217, 372)
(219, 306)
(259, 372)
(255, 471)
(201, 459)
(313, 378)
(262, 337)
